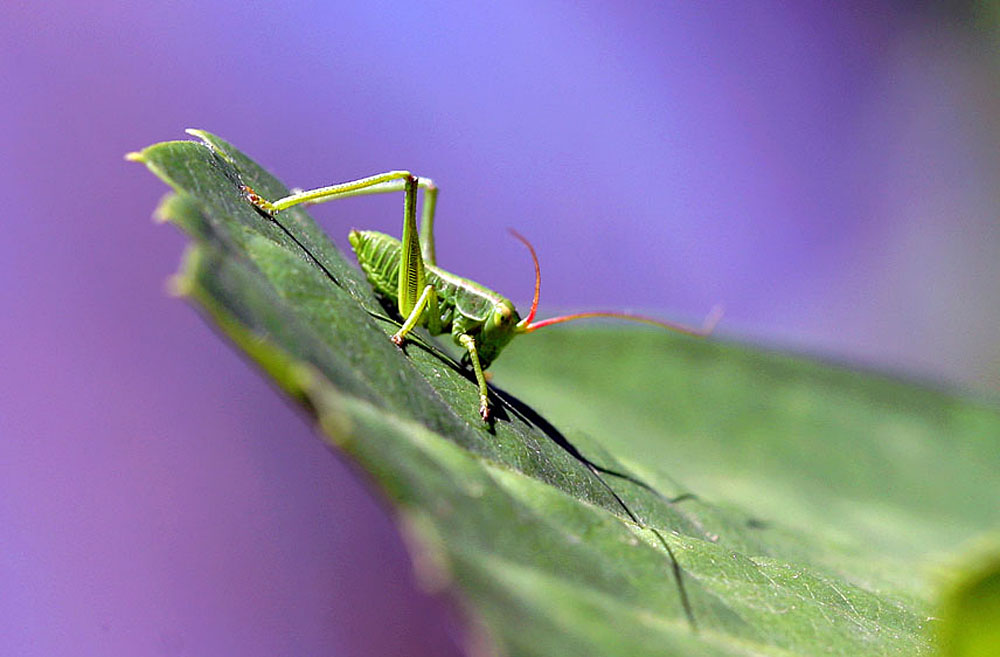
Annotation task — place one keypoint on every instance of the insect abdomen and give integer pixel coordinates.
(379, 255)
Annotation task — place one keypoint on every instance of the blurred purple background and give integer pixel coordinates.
(828, 171)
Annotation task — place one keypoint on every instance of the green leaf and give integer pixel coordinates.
(971, 610)
(711, 499)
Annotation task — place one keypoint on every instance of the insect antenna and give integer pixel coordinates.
(700, 331)
(538, 276)
(527, 325)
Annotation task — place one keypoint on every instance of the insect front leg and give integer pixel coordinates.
(469, 343)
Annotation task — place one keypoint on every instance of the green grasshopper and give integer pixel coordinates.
(480, 321)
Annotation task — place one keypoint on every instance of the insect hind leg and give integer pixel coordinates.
(382, 183)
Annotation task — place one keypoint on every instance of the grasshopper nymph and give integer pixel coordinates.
(480, 320)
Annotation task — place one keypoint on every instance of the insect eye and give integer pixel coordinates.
(501, 315)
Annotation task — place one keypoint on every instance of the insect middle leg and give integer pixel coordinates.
(426, 306)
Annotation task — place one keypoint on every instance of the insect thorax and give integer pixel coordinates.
(464, 305)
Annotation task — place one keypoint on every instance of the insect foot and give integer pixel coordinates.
(484, 409)
(257, 200)
(397, 339)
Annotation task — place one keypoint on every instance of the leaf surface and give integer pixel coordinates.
(708, 500)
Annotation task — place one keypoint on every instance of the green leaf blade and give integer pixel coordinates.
(800, 488)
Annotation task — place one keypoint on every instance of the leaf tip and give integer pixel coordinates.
(135, 156)
(304, 375)
(427, 551)
(166, 209)
(179, 285)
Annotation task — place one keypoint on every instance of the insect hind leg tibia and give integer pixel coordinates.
(382, 183)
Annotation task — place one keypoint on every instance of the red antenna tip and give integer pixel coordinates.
(705, 329)
(538, 278)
